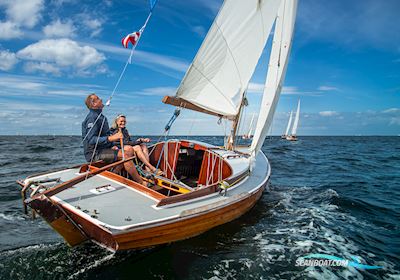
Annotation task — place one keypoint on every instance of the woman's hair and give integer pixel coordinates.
(114, 124)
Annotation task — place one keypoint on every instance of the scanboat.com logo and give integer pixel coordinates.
(329, 260)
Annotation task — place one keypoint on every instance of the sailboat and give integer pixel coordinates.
(293, 134)
(203, 185)
(249, 134)
(288, 126)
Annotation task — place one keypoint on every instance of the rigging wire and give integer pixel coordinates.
(108, 102)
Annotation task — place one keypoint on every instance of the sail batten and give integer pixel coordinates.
(223, 66)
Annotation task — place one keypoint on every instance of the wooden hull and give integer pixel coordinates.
(186, 228)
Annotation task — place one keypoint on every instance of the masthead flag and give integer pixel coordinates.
(132, 37)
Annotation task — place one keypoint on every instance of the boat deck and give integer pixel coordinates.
(119, 207)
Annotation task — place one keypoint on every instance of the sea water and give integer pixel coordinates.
(337, 196)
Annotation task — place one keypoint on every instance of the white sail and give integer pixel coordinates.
(225, 62)
(289, 123)
(281, 45)
(251, 126)
(296, 120)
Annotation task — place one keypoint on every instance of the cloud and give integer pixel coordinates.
(27, 85)
(7, 60)
(286, 90)
(255, 88)
(328, 88)
(94, 25)
(22, 12)
(9, 30)
(61, 55)
(199, 30)
(59, 29)
(259, 88)
(328, 113)
(391, 111)
(146, 59)
(32, 67)
(290, 90)
(158, 91)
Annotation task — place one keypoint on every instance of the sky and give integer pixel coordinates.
(344, 66)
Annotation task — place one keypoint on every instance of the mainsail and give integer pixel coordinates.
(289, 123)
(219, 74)
(281, 46)
(296, 120)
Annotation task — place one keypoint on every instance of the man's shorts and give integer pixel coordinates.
(107, 155)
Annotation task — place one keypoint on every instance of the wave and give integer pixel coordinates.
(40, 149)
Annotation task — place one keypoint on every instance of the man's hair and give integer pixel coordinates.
(88, 100)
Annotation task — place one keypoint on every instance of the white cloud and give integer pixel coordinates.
(158, 91)
(90, 22)
(22, 86)
(199, 30)
(146, 59)
(290, 90)
(327, 88)
(59, 29)
(22, 12)
(391, 110)
(328, 113)
(255, 88)
(12, 84)
(32, 67)
(94, 25)
(62, 54)
(9, 30)
(7, 60)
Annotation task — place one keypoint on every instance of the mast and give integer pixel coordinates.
(230, 145)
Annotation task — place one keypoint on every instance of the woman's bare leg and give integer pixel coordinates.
(130, 167)
(143, 158)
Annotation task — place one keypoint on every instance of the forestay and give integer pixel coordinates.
(225, 62)
(281, 46)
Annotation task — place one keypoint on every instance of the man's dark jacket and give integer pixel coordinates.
(91, 133)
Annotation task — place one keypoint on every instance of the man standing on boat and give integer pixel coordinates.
(97, 141)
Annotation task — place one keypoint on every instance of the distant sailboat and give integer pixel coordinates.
(288, 126)
(293, 135)
(249, 135)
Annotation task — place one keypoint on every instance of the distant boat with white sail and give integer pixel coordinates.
(249, 134)
(293, 134)
(288, 126)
